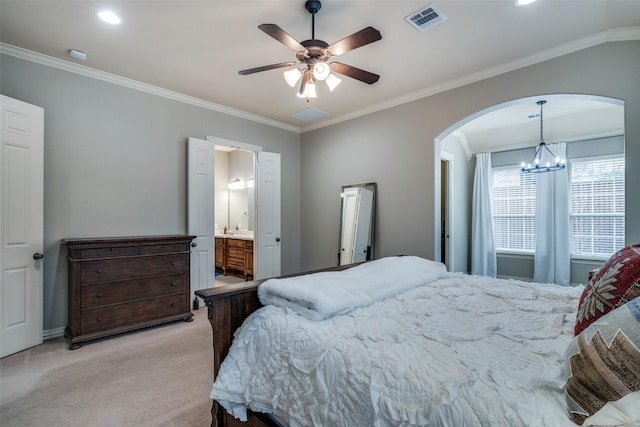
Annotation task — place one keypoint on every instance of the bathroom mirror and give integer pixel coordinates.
(234, 190)
(241, 209)
(357, 222)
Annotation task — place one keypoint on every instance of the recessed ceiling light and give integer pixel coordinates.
(109, 17)
(523, 2)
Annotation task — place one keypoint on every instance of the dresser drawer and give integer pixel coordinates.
(100, 318)
(163, 249)
(108, 293)
(129, 268)
(106, 252)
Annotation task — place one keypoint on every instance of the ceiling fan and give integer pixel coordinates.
(315, 54)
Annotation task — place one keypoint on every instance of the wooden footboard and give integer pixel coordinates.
(227, 307)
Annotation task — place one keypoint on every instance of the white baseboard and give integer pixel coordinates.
(522, 279)
(53, 333)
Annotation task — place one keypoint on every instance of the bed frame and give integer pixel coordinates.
(227, 307)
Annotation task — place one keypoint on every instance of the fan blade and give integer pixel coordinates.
(281, 35)
(353, 72)
(354, 41)
(267, 67)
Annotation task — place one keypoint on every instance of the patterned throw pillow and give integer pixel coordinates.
(615, 284)
(602, 366)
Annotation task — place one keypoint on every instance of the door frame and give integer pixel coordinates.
(448, 209)
(254, 149)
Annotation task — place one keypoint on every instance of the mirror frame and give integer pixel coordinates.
(373, 186)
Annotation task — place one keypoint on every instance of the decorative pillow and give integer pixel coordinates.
(603, 369)
(615, 284)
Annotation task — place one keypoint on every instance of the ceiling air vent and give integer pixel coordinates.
(310, 115)
(425, 18)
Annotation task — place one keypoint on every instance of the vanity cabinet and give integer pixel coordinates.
(126, 283)
(237, 256)
(248, 259)
(219, 254)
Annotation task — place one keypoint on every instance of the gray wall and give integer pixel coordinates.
(396, 149)
(115, 164)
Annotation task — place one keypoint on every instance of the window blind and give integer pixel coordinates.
(514, 209)
(597, 206)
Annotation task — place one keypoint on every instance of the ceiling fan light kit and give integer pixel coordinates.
(314, 56)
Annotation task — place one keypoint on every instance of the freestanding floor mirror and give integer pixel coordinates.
(357, 222)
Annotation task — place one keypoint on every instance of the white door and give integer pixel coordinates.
(268, 211)
(200, 183)
(363, 226)
(21, 225)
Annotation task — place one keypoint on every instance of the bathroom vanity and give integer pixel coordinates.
(234, 255)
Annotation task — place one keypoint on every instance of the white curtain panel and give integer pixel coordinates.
(553, 236)
(483, 249)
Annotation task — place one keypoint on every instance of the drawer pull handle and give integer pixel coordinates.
(99, 318)
(99, 294)
(173, 283)
(99, 270)
(173, 304)
(173, 263)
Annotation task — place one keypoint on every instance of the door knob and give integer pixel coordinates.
(194, 244)
(277, 239)
(38, 256)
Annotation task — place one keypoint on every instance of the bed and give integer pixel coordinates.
(399, 341)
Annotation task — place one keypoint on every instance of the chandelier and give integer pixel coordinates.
(543, 160)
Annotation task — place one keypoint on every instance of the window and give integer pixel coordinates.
(514, 209)
(597, 206)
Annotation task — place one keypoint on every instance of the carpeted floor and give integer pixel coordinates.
(160, 376)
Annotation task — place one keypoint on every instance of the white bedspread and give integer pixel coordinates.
(460, 351)
(322, 295)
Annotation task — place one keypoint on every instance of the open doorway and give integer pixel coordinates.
(256, 254)
(234, 215)
(446, 210)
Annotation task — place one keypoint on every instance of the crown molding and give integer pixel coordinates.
(71, 67)
(611, 35)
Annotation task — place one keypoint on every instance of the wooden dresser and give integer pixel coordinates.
(125, 283)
